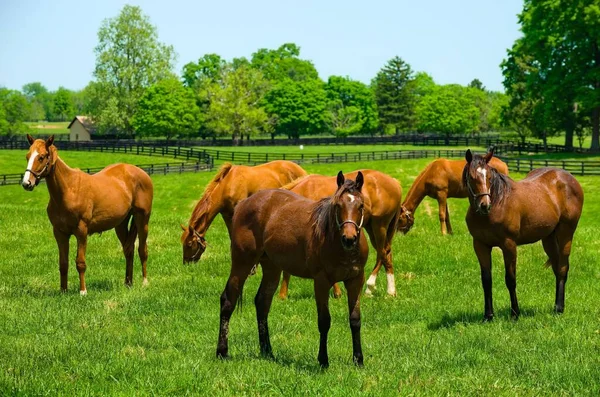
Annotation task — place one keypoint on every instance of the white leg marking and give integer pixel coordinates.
(30, 165)
(371, 285)
(83, 292)
(145, 282)
(391, 285)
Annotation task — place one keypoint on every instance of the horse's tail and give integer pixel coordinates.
(131, 236)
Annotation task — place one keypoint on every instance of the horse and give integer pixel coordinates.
(440, 180)
(82, 204)
(319, 240)
(383, 196)
(230, 185)
(546, 206)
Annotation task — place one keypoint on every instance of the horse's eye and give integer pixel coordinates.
(41, 158)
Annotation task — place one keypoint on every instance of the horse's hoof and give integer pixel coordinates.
(83, 292)
(223, 355)
(488, 317)
(559, 309)
(324, 365)
(282, 297)
(337, 296)
(145, 283)
(392, 293)
(368, 293)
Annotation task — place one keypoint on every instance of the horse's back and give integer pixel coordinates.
(135, 182)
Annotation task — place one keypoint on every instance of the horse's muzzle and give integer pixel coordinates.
(27, 186)
(349, 243)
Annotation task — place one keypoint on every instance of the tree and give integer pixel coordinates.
(283, 63)
(393, 96)
(560, 53)
(235, 104)
(41, 101)
(167, 109)
(129, 59)
(64, 108)
(352, 107)
(208, 68)
(298, 106)
(14, 111)
(477, 84)
(448, 110)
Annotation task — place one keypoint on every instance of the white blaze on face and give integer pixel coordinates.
(30, 165)
(483, 172)
(352, 198)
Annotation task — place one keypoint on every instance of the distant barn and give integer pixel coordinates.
(81, 129)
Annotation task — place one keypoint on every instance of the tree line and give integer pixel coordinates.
(135, 90)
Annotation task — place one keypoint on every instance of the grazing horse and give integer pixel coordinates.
(231, 184)
(82, 204)
(546, 206)
(383, 196)
(440, 180)
(319, 240)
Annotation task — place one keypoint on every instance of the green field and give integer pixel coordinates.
(161, 339)
(328, 149)
(48, 128)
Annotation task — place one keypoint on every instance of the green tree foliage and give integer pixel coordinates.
(450, 110)
(14, 110)
(41, 101)
(167, 109)
(208, 70)
(283, 63)
(64, 108)
(476, 83)
(557, 64)
(129, 59)
(299, 107)
(235, 103)
(393, 96)
(352, 107)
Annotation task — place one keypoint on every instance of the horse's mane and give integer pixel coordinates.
(205, 201)
(294, 183)
(500, 186)
(322, 217)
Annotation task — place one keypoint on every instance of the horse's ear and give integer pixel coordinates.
(49, 141)
(30, 139)
(191, 230)
(489, 155)
(183, 227)
(468, 156)
(340, 179)
(360, 179)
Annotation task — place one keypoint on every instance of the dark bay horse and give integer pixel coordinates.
(82, 204)
(546, 206)
(231, 184)
(383, 196)
(440, 180)
(318, 240)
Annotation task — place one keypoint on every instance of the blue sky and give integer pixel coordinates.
(454, 41)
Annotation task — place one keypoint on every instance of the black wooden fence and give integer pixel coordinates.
(151, 169)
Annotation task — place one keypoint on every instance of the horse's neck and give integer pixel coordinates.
(61, 178)
(415, 195)
(209, 206)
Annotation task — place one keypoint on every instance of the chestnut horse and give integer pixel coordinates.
(383, 196)
(82, 204)
(441, 180)
(546, 206)
(231, 184)
(319, 240)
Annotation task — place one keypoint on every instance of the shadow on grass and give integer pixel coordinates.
(101, 285)
(451, 320)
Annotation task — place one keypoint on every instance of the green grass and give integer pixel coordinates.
(14, 162)
(328, 149)
(47, 128)
(162, 339)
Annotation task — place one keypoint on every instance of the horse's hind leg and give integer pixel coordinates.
(141, 221)
(564, 237)
(448, 225)
(285, 283)
(122, 231)
(241, 265)
(263, 300)
(443, 213)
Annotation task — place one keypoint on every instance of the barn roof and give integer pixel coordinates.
(86, 122)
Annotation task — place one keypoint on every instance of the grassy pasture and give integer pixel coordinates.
(46, 127)
(162, 339)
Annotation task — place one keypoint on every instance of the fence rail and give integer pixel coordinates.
(151, 169)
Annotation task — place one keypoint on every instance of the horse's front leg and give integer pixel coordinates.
(443, 212)
(322, 286)
(484, 255)
(509, 250)
(62, 240)
(80, 260)
(354, 286)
